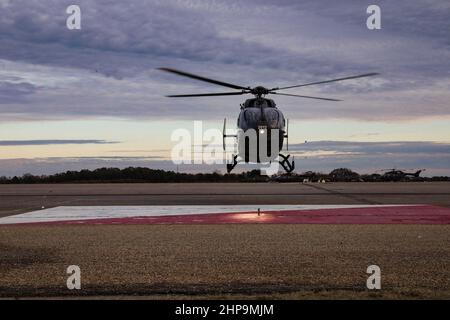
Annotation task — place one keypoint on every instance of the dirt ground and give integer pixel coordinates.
(227, 261)
(224, 261)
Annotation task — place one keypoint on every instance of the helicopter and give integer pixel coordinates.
(258, 115)
(397, 174)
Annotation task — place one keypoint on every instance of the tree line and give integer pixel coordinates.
(142, 174)
(131, 174)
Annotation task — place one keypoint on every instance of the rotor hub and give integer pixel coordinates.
(259, 91)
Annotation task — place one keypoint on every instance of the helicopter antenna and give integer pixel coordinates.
(225, 135)
(287, 134)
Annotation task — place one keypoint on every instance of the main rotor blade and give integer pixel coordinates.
(328, 81)
(208, 94)
(194, 76)
(309, 97)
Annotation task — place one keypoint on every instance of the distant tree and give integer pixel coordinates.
(343, 174)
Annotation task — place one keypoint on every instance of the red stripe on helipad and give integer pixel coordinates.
(423, 214)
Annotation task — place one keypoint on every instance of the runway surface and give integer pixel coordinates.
(16, 199)
(323, 253)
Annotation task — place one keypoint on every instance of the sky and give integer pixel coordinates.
(74, 99)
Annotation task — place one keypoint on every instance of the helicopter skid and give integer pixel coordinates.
(230, 166)
(287, 165)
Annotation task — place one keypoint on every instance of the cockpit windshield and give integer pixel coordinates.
(259, 103)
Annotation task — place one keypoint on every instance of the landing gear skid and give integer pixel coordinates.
(287, 166)
(230, 166)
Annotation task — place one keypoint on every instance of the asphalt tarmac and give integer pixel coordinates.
(16, 199)
(224, 261)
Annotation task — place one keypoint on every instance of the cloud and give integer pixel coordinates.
(399, 147)
(11, 92)
(367, 157)
(51, 142)
(322, 156)
(52, 165)
(107, 69)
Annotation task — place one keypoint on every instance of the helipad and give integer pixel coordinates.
(235, 214)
